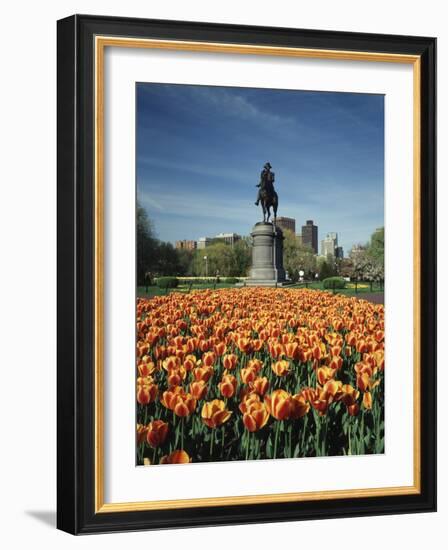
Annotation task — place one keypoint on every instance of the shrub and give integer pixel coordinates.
(230, 280)
(334, 282)
(167, 282)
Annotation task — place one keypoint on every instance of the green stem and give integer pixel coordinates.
(277, 431)
(222, 440)
(212, 437)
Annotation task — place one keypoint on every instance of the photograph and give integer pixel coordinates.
(260, 302)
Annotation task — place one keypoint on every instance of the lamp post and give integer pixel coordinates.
(206, 266)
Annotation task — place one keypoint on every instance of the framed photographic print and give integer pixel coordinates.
(246, 274)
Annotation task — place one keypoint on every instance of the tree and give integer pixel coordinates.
(376, 248)
(326, 269)
(147, 245)
(242, 252)
(185, 261)
(375, 252)
(297, 257)
(167, 262)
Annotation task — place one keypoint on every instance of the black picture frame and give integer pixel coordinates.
(76, 272)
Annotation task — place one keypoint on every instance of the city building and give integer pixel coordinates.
(203, 242)
(299, 240)
(286, 223)
(339, 253)
(187, 245)
(227, 238)
(309, 235)
(329, 245)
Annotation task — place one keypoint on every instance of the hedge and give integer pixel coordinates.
(231, 280)
(167, 282)
(334, 282)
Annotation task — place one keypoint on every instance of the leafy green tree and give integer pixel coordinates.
(326, 269)
(147, 245)
(185, 261)
(242, 252)
(376, 248)
(375, 252)
(167, 260)
(297, 257)
(220, 259)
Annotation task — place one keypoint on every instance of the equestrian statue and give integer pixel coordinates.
(266, 193)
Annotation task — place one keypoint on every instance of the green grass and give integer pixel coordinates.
(363, 288)
(156, 291)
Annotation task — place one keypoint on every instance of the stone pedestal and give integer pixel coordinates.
(267, 256)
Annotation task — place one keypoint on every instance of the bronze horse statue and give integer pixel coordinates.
(266, 194)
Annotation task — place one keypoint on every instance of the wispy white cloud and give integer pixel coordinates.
(204, 169)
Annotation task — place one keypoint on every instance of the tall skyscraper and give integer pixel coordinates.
(309, 235)
(286, 223)
(329, 245)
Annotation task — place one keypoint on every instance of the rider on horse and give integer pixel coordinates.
(266, 185)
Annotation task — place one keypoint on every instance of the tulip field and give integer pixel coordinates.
(258, 373)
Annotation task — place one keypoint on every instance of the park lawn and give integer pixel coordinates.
(156, 291)
(348, 291)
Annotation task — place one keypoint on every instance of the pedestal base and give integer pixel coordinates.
(267, 257)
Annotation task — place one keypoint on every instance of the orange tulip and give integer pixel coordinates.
(256, 416)
(185, 405)
(220, 348)
(209, 359)
(189, 363)
(353, 410)
(244, 345)
(363, 381)
(255, 364)
(281, 368)
(214, 413)
(146, 369)
(260, 385)
(146, 393)
(227, 386)
(349, 395)
(180, 402)
(198, 389)
(292, 351)
(300, 406)
(248, 375)
(156, 433)
(367, 400)
(202, 373)
(141, 433)
(229, 361)
(176, 457)
(335, 362)
(176, 376)
(171, 362)
(247, 401)
(324, 374)
(279, 404)
(276, 349)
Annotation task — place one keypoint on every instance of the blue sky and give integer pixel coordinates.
(200, 151)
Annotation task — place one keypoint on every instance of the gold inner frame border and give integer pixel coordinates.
(101, 42)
